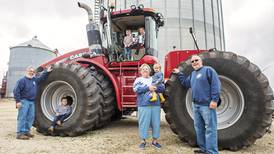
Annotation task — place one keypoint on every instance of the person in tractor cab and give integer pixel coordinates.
(148, 112)
(206, 87)
(128, 42)
(135, 39)
(24, 95)
(62, 112)
(141, 39)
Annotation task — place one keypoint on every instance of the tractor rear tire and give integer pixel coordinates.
(107, 92)
(245, 94)
(77, 82)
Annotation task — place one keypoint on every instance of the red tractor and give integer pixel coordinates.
(100, 82)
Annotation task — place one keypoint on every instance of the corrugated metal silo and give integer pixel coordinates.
(32, 52)
(205, 16)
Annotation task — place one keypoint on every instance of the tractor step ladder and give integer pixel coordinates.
(128, 96)
(127, 92)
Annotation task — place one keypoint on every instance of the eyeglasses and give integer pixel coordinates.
(31, 71)
(145, 69)
(196, 60)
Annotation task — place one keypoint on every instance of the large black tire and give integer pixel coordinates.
(253, 86)
(107, 92)
(77, 82)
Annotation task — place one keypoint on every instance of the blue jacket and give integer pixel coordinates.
(26, 88)
(157, 78)
(141, 87)
(204, 83)
(63, 109)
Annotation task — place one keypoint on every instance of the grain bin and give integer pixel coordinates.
(32, 52)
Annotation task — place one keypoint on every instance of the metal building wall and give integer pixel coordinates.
(205, 16)
(20, 58)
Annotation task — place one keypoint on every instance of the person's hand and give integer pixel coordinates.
(213, 105)
(57, 114)
(175, 70)
(49, 68)
(152, 88)
(18, 105)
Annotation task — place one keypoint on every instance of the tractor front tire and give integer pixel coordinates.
(245, 112)
(106, 90)
(74, 81)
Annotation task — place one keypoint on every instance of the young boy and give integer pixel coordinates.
(128, 42)
(157, 79)
(62, 112)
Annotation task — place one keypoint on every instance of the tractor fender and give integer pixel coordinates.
(109, 75)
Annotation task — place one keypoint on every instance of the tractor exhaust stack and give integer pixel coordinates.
(93, 32)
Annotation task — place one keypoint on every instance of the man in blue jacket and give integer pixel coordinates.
(206, 86)
(24, 94)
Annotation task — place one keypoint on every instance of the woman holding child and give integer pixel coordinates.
(148, 111)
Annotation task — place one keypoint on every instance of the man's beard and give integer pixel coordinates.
(29, 76)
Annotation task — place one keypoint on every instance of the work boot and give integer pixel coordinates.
(28, 134)
(162, 98)
(153, 97)
(199, 151)
(22, 137)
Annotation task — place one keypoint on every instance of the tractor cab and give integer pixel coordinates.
(131, 34)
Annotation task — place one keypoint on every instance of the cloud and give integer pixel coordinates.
(249, 30)
(57, 23)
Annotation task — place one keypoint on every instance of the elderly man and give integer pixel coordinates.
(205, 85)
(24, 94)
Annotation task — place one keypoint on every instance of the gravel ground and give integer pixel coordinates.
(117, 137)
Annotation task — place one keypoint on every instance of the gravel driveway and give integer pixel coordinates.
(118, 137)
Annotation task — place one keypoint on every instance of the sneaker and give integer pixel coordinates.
(142, 145)
(22, 137)
(59, 123)
(156, 145)
(51, 129)
(28, 134)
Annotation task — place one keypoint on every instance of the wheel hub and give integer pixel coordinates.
(232, 106)
(52, 95)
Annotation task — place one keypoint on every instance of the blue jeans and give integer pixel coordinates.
(25, 117)
(59, 118)
(205, 124)
(149, 116)
(127, 53)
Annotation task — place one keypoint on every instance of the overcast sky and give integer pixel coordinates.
(249, 27)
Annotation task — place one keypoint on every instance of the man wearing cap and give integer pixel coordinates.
(206, 86)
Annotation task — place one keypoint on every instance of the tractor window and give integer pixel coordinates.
(119, 27)
(142, 34)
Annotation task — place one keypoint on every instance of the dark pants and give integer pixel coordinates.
(59, 118)
(138, 47)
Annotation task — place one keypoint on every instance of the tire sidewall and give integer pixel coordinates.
(72, 79)
(254, 108)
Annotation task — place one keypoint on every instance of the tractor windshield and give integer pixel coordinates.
(133, 37)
